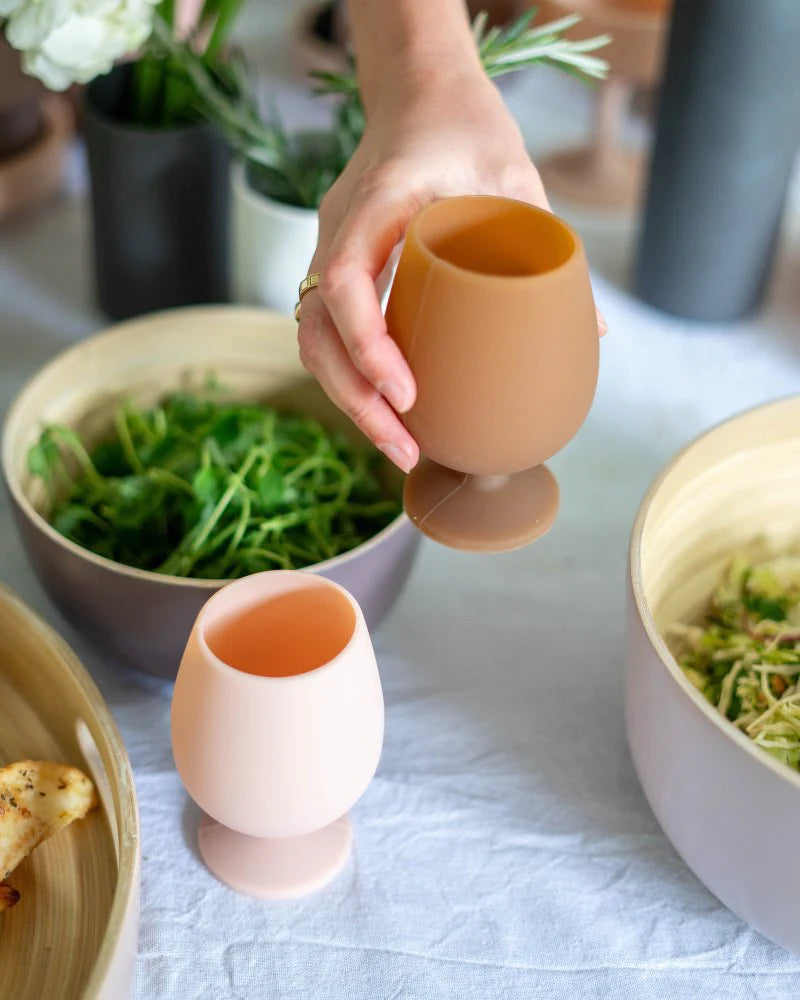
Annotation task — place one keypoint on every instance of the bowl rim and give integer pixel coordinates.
(647, 618)
(128, 887)
(39, 522)
(435, 260)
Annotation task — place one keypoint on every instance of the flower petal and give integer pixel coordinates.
(54, 77)
(9, 7)
(30, 25)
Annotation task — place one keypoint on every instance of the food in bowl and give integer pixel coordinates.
(138, 617)
(744, 656)
(210, 489)
(37, 799)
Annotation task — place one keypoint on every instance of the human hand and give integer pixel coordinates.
(427, 138)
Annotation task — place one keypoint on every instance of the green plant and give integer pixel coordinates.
(298, 171)
(162, 92)
(63, 42)
(215, 490)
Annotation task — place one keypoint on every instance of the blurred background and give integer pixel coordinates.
(592, 143)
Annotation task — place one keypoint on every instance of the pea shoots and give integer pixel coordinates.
(745, 655)
(200, 488)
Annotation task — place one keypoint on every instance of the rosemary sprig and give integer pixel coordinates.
(285, 167)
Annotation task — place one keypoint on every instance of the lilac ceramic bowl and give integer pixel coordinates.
(730, 809)
(138, 617)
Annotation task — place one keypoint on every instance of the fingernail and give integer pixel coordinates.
(398, 456)
(602, 326)
(399, 398)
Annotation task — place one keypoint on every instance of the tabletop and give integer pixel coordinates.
(504, 848)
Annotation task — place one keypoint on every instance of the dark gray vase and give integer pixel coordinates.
(728, 131)
(159, 207)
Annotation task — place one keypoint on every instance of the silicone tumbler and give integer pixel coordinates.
(277, 728)
(492, 308)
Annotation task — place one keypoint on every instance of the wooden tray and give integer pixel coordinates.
(72, 935)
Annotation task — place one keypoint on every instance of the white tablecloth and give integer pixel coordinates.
(504, 849)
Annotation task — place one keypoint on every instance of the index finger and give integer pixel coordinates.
(358, 255)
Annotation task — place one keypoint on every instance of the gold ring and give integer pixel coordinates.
(310, 281)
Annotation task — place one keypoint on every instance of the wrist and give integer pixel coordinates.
(408, 45)
(410, 76)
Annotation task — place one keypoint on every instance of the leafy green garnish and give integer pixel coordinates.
(745, 654)
(214, 490)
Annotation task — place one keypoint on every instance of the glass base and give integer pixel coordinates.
(275, 868)
(481, 513)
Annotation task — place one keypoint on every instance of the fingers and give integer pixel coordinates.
(324, 355)
(358, 254)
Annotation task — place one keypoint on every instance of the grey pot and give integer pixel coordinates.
(728, 131)
(159, 207)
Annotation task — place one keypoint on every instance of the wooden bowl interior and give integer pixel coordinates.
(252, 353)
(734, 490)
(59, 939)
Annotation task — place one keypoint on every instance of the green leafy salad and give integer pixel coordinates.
(745, 656)
(202, 488)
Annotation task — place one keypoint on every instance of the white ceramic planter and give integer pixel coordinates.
(271, 246)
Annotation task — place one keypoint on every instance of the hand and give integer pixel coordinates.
(429, 138)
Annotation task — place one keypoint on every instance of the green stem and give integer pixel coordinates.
(275, 557)
(73, 443)
(170, 479)
(121, 424)
(241, 526)
(166, 11)
(227, 15)
(236, 482)
(147, 95)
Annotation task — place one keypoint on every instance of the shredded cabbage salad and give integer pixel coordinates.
(745, 655)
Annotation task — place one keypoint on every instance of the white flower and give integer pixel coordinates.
(73, 41)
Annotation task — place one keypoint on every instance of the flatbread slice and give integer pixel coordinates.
(37, 799)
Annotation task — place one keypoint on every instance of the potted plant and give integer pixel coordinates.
(158, 170)
(279, 178)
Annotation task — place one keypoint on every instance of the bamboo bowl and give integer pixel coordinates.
(143, 618)
(730, 809)
(72, 935)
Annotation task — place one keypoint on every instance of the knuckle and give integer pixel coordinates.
(308, 354)
(308, 341)
(522, 181)
(363, 353)
(335, 276)
(326, 205)
(360, 409)
(391, 171)
(334, 199)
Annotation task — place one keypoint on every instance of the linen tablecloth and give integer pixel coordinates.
(504, 849)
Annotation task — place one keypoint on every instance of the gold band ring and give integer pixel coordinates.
(310, 281)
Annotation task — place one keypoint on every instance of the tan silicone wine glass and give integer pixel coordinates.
(277, 728)
(492, 308)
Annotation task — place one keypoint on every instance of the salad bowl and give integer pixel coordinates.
(730, 808)
(143, 618)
